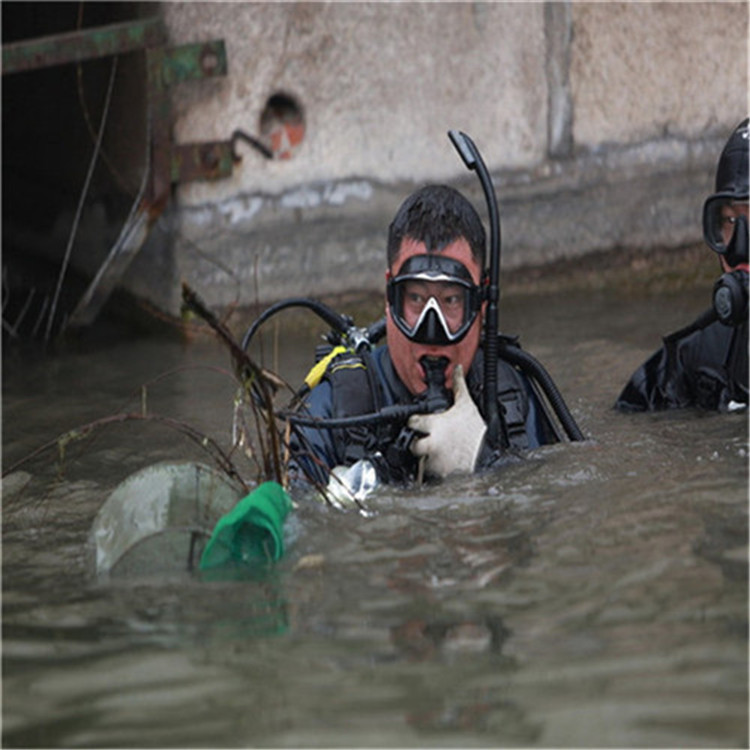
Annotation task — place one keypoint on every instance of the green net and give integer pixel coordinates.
(252, 531)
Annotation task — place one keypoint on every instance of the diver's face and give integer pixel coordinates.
(730, 212)
(406, 354)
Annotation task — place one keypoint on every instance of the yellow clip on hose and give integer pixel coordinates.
(317, 372)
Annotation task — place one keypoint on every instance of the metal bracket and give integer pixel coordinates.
(207, 160)
(174, 163)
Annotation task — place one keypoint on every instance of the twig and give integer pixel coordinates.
(79, 209)
(204, 441)
(250, 375)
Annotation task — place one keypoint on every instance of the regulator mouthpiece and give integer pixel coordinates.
(437, 396)
(434, 369)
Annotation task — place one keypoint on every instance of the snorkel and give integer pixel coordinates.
(499, 347)
(497, 431)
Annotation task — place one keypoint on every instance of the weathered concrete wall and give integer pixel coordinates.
(601, 123)
(642, 71)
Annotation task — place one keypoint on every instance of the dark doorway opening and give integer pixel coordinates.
(52, 118)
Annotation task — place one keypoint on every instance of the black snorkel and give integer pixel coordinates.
(497, 431)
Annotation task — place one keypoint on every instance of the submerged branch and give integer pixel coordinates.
(207, 443)
(259, 384)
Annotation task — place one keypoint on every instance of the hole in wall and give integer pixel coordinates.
(282, 125)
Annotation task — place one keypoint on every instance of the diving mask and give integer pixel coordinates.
(719, 213)
(433, 299)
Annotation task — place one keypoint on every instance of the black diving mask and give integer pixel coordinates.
(716, 215)
(433, 299)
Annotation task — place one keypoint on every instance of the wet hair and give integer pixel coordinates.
(437, 215)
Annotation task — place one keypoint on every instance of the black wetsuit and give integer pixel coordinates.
(355, 385)
(703, 365)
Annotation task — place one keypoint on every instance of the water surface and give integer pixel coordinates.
(593, 595)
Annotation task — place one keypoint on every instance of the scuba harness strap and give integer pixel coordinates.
(356, 390)
(318, 371)
(514, 404)
(358, 386)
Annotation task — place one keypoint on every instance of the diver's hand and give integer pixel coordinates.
(454, 436)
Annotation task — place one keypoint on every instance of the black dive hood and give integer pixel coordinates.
(732, 174)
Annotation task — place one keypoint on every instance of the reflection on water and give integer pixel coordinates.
(594, 595)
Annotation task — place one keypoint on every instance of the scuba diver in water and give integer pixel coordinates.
(436, 248)
(706, 363)
(446, 393)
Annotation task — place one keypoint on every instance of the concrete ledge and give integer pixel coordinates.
(329, 238)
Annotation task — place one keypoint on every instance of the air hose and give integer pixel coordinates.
(512, 354)
(344, 330)
(338, 322)
(531, 366)
(435, 398)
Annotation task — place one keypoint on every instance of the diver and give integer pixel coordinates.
(446, 393)
(435, 303)
(705, 364)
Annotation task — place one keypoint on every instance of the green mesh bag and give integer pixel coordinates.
(252, 531)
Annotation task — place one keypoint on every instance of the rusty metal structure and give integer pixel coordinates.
(169, 162)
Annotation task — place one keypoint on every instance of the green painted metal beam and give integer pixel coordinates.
(85, 44)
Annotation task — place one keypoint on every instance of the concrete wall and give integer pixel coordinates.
(601, 124)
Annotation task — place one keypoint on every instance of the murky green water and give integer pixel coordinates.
(595, 595)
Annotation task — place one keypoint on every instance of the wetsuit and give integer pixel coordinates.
(355, 385)
(703, 365)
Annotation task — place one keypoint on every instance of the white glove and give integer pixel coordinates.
(454, 436)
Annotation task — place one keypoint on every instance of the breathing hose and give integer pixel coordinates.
(531, 366)
(435, 398)
(340, 323)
